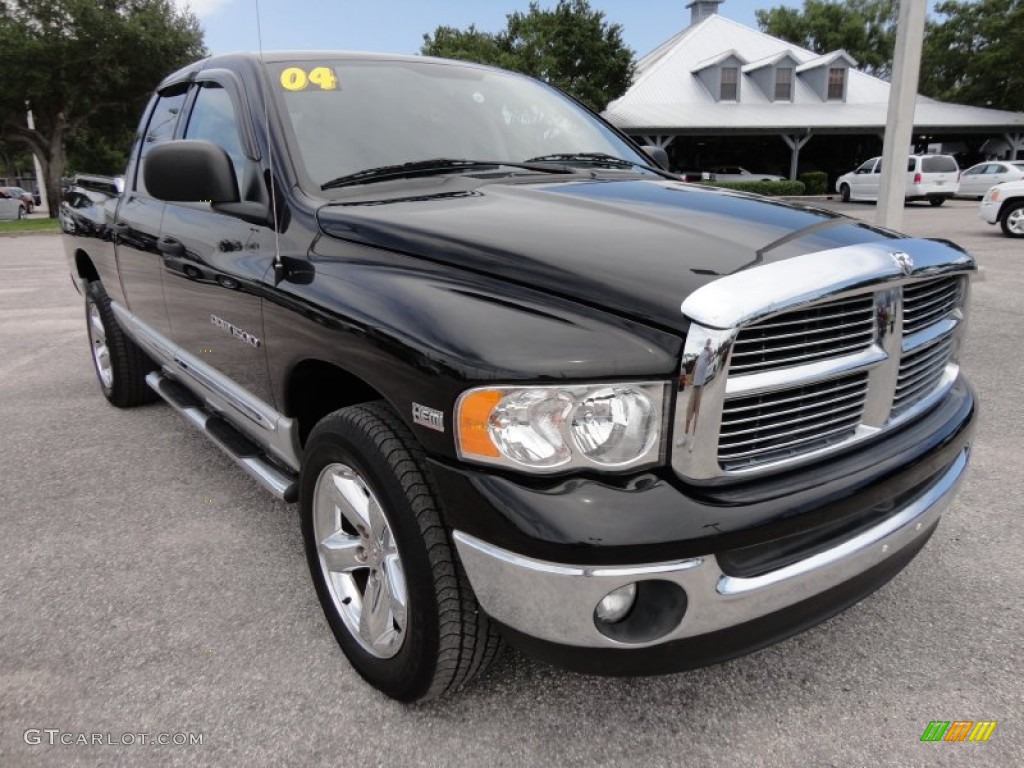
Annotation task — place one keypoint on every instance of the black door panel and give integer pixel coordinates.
(214, 264)
(212, 280)
(138, 261)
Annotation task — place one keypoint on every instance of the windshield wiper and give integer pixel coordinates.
(588, 158)
(438, 165)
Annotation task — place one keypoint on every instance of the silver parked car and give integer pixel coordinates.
(980, 178)
(11, 207)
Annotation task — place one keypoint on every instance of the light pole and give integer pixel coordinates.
(44, 203)
(899, 126)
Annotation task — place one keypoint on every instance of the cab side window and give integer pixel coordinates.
(161, 126)
(213, 119)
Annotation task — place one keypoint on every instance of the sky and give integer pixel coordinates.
(398, 26)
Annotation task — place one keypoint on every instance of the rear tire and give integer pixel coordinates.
(1011, 219)
(120, 365)
(936, 201)
(375, 541)
(844, 192)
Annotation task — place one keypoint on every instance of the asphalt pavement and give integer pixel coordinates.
(147, 586)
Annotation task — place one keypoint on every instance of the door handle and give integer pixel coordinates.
(170, 246)
(120, 228)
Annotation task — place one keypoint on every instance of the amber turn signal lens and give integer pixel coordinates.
(474, 412)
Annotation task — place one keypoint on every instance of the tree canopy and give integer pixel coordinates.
(865, 29)
(570, 46)
(85, 69)
(974, 55)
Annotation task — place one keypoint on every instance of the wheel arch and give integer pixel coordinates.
(1007, 203)
(84, 266)
(314, 388)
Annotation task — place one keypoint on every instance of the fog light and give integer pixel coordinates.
(616, 604)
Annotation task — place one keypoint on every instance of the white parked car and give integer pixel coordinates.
(929, 177)
(1005, 203)
(739, 173)
(980, 178)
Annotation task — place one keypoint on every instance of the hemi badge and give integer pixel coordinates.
(428, 417)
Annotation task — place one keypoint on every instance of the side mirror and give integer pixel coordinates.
(657, 154)
(190, 171)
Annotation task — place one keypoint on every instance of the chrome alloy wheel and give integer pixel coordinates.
(1015, 221)
(360, 560)
(100, 350)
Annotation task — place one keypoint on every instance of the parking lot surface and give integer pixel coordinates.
(147, 586)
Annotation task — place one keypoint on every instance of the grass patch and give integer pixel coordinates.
(29, 225)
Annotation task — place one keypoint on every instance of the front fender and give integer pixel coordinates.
(421, 332)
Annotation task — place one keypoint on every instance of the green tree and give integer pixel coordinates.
(85, 67)
(866, 29)
(570, 46)
(15, 160)
(469, 45)
(973, 56)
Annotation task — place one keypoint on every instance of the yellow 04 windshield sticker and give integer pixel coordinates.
(298, 79)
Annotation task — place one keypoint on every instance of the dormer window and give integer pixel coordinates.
(721, 75)
(729, 87)
(826, 75)
(773, 75)
(836, 83)
(783, 84)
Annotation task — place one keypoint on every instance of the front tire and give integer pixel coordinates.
(120, 365)
(844, 192)
(1012, 219)
(382, 561)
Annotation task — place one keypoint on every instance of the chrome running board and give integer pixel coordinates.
(244, 452)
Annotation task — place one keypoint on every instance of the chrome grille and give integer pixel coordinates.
(815, 333)
(921, 370)
(802, 358)
(785, 422)
(927, 302)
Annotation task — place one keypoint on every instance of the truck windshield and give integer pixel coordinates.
(348, 116)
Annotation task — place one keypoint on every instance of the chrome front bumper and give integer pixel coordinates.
(555, 602)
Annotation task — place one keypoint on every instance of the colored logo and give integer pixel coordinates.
(958, 730)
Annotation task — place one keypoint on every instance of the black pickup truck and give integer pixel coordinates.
(523, 383)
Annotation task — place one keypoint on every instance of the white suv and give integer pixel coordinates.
(1005, 203)
(929, 177)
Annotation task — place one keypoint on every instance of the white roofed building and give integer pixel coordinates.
(719, 92)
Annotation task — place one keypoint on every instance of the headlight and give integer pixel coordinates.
(550, 429)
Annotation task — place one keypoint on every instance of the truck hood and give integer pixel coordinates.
(634, 246)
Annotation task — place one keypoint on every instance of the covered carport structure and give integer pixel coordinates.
(721, 93)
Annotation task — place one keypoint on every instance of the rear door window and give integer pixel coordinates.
(161, 124)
